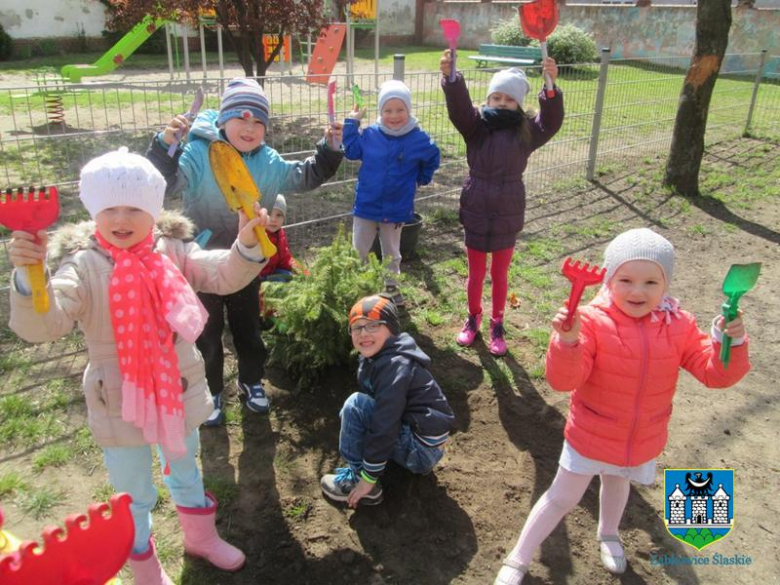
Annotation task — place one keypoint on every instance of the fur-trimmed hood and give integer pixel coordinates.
(71, 238)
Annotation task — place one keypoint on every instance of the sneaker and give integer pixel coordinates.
(218, 415)
(497, 344)
(470, 330)
(338, 486)
(255, 397)
(395, 294)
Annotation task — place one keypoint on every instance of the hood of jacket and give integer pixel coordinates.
(205, 126)
(403, 344)
(71, 238)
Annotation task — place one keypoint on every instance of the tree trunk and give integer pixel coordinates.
(713, 21)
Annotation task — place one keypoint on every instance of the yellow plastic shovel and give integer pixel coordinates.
(238, 187)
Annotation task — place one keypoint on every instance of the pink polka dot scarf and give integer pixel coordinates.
(149, 299)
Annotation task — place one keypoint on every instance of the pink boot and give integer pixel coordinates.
(147, 569)
(497, 344)
(201, 538)
(470, 330)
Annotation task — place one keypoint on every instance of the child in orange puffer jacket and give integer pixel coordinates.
(620, 361)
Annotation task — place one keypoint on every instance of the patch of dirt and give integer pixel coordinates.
(455, 524)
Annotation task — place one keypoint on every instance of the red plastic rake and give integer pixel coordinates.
(30, 211)
(89, 551)
(580, 275)
(539, 19)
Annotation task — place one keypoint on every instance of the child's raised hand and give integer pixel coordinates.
(445, 63)
(357, 113)
(23, 249)
(572, 334)
(734, 329)
(550, 68)
(246, 226)
(179, 123)
(333, 135)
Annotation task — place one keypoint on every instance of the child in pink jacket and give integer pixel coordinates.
(620, 361)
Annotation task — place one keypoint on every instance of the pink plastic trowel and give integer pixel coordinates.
(451, 29)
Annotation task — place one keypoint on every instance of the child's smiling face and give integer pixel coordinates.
(637, 287)
(394, 113)
(369, 336)
(502, 101)
(245, 134)
(124, 226)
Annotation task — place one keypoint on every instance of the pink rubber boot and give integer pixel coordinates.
(497, 344)
(470, 330)
(201, 538)
(147, 569)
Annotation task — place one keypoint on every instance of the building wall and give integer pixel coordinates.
(52, 18)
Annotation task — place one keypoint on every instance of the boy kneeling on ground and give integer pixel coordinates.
(400, 412)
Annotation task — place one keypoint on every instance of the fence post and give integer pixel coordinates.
(759, 75)
(594, 133)
(399, 64)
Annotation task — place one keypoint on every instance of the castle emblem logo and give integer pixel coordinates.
(699, 505)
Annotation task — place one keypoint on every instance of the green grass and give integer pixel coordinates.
(38, 503)
(52, 456)
(11, 483)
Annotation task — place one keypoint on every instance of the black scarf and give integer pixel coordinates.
(500, 118)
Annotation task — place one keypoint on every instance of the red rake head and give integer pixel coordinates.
(538, 18)
(92, 548)
(29, 209)
(589, 275)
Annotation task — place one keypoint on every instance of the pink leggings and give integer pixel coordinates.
(565, 492)
(499, 270)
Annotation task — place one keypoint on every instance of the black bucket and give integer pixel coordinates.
(410, 234)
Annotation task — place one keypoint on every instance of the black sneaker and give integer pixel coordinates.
(338, 486)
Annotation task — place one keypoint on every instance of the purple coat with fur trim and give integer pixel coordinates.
(492, 202)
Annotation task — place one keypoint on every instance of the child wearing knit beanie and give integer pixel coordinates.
(400, 412)
(500, 138)
(396, 157)
(129, 281)
(620, 361)
(242, 120)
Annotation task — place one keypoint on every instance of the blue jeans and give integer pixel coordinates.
(130, 470)
(409, 452)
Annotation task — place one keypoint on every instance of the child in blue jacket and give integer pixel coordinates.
(396, 156)
(242, 120)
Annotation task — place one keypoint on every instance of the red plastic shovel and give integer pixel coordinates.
(580, 275)
(451, 29)
(538, 19)
(89, 551)
(30, 211)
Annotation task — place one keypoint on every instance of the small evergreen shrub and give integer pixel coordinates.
(569, 44)
(310, 333)
(508, 32)
(6, 45)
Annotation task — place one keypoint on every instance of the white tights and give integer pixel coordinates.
(565, 492)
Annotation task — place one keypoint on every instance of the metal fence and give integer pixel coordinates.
(616, 111)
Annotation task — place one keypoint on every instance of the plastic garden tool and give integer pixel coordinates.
(238, 187)
(451, 30)
(30, 211)
(539, 19)
(739, 280)
(356, 95)
(89, 551)
(332, 108)
(194, 109)
(580, 275)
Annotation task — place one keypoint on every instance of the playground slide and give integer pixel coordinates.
(117, 54)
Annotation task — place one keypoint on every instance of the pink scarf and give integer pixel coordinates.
(149, 298)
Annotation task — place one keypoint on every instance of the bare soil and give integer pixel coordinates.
(455, 525)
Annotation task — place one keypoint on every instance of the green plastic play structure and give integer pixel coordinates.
(117, 54)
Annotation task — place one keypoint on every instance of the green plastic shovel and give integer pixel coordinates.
(740, 279)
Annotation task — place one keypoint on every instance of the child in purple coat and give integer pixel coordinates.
(499, 139)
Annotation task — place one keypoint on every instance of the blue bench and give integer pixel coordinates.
(507, 55)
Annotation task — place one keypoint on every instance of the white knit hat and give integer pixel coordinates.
(395, 89)
(281, 204)
(512, 82)
(639, 244)
(119, 178)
